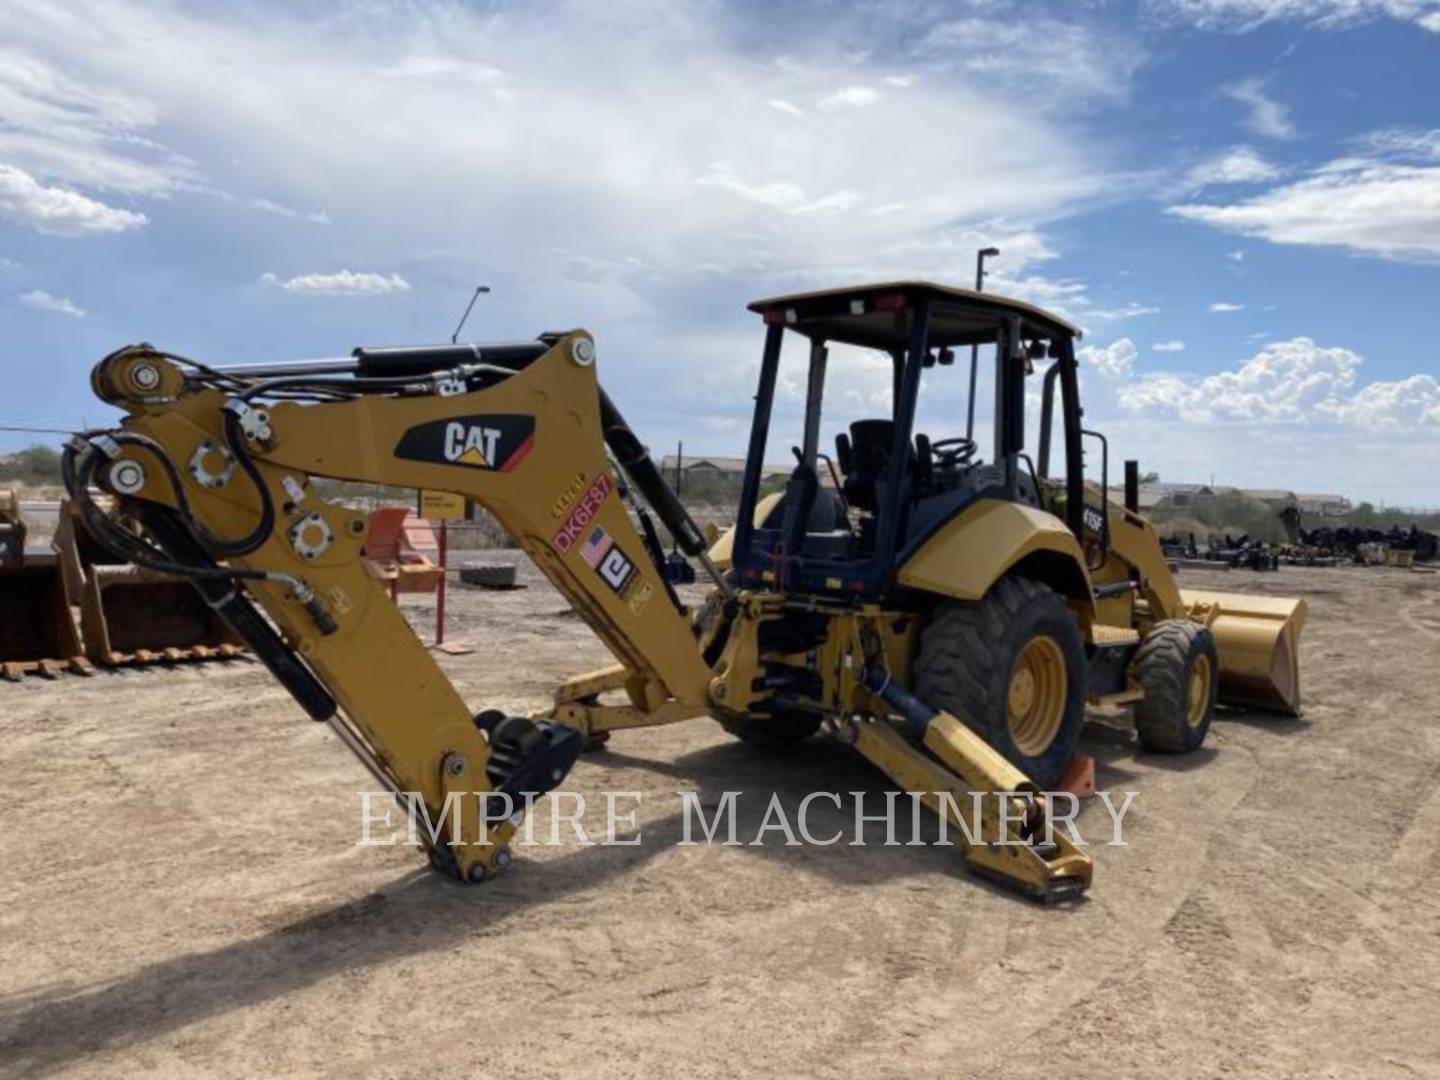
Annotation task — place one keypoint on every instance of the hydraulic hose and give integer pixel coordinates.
(630, 452)
(125, 545)
(198, 566)
(240, 614)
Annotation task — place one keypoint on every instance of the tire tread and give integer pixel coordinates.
(1162, 667)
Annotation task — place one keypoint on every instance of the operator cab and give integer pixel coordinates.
(847, 520)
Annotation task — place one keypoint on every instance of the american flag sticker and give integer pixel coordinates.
(596, 544)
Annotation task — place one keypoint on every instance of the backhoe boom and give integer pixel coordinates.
(209, 457)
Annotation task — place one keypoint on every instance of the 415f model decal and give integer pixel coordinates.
(496, 442)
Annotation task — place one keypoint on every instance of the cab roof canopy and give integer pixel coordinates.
(880, 316)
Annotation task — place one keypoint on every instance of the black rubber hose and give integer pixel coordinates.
(630, 452)
(240, 614)
(217, 547)
(266, 524)
(916, 713)
(124, 545)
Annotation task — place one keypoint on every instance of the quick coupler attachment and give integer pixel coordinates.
(527, 756)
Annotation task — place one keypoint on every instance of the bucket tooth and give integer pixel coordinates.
(129, 614)
(36, 627)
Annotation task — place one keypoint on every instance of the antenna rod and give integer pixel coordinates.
(980, 257)
(468, 307)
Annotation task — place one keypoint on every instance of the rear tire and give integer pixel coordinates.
(488, 575)
(1012, 667)
(781, 730)
(1179, 672)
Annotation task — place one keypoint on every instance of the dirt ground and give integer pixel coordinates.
(183, 893)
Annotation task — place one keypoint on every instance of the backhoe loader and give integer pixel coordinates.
(949, 617)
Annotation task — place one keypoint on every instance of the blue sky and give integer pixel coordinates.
(1238, 199)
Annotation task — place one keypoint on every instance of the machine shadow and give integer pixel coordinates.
(1273, 723)
(824, 765)
(422, 912)
(416, 914)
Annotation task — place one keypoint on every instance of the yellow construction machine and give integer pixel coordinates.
(950, 617)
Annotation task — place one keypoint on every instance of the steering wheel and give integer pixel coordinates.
(952, 452)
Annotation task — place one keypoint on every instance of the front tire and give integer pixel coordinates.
(1179, 672)
(1012, 667)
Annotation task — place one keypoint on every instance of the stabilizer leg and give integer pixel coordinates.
(1000, 813)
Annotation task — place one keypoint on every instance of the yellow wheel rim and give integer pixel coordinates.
(1197, 692)
(1039, 685)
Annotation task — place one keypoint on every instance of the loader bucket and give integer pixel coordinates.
(1257, 640)
(37, 633)
(129, 614)
(12, 529)
(132, 615)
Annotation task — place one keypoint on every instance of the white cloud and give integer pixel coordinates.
(1410, 144)
(1114, 361)
(1084, 64)
(786, 107)
(1224, 307)
(1169, 346)
(1289, 382)
(436, 67)
(343, 283)
(427, 168)
(86, 133)
(1267, 116)
(850, 97)
(1245, 15)
(1384, 201)
(1394, 406)
(44, 301)
(1236, 256)
(1238, 165)
(1128, 311)
(1258, 423)
(435, 165)
(269, 206)
(781, 195)
(57, 211)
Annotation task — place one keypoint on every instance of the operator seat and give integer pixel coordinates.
(864, 457)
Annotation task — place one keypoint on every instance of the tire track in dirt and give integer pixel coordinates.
(1140, 898)
(1236, 933)
(1423, 615)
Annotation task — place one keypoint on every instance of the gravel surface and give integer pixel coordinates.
(183, 893)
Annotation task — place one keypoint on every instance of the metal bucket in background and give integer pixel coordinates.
(37, 631)
(132, 615)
